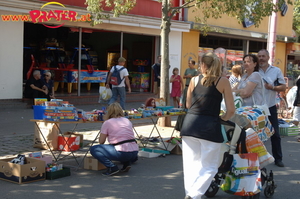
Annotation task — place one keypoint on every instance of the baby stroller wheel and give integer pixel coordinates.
(213, 187)
(269, 191)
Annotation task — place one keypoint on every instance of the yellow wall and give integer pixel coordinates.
(284, 23)
(280, 56)
(190, 45)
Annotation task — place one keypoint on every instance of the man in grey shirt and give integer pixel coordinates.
(190, 72)
(274, 82)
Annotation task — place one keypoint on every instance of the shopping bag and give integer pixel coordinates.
(291, 96)
(244, 176)
(255, 145)
(238, 102)
(105, 94)
(49, 131)
(258, 120)
(264, 107)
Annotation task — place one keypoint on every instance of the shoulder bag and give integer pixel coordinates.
(264, 107)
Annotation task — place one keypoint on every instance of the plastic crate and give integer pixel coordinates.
(289, 131)
(58, 174)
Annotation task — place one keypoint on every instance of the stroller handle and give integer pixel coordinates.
(229, 123)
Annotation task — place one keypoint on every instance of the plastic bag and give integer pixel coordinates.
(104, 94)
(291, 96)
(243, 178)
(255, 145)
(238, 102)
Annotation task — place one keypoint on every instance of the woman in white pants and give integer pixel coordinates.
(201, 129)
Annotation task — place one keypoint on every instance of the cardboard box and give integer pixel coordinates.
(58, 174)
(68, 142)
(33, 170)
(77, 134)
(40, 101)
(46, 158)
(93, 164)
(289, 131)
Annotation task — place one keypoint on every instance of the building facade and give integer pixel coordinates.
(238, 38)
(134, 36)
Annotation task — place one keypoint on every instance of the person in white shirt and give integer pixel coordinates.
(119, 90)
(274, 82)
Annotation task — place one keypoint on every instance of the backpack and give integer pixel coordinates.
(115, 78)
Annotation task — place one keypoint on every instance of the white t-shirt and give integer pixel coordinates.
(271, 75)
(123, 74)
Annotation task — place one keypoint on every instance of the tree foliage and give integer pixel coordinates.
(296, 19)
(240, 9)
(255, 10)
(116, 7)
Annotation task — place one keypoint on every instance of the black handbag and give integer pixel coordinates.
(179, 122)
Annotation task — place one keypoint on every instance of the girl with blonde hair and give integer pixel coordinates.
(122, 145)
(236, 74)
(201, 128)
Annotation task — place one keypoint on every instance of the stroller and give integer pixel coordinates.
(235, 136)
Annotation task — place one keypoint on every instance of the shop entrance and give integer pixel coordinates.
(57, 50)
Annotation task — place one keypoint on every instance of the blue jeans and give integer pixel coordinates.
(118, 91)
(105, 153)
(275, 139)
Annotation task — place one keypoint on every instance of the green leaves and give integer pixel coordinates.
(296, 19)
(255, 10)
(101, 9)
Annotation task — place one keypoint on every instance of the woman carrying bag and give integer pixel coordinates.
(201, 130)
(250, 87)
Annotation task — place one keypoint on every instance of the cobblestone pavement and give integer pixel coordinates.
(12, 145)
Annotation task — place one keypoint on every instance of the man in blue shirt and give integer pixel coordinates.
(274, 82)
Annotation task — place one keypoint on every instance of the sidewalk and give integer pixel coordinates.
(149, 178)
(17, 131)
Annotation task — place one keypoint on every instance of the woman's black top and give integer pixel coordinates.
(202, 120)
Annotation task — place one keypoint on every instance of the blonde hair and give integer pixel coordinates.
(214, 69)
(114, 110)
(237, 70)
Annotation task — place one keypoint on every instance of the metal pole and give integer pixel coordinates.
(271, 44)
(121, 45)
(79, 59)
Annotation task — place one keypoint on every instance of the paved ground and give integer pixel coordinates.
(159, 178)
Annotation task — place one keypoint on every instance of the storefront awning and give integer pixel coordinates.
(234, 58)
(293, 48)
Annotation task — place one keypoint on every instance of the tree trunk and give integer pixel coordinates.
(164, 70)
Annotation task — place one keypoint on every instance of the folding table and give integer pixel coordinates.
(154, 120)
